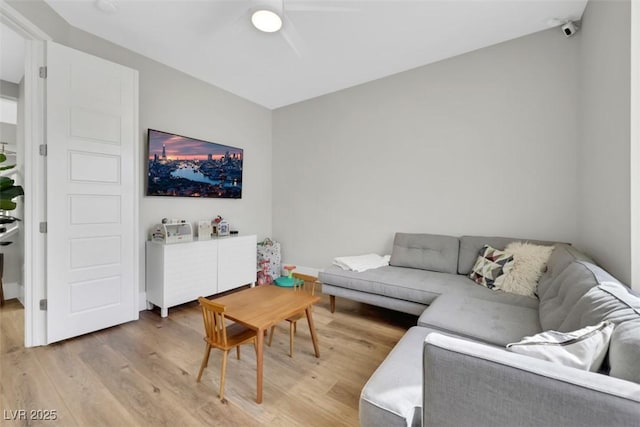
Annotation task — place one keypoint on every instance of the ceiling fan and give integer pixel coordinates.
(275, 17)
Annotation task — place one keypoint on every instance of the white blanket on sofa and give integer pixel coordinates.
(361, 263)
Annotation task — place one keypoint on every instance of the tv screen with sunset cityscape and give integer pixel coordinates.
(189, 167)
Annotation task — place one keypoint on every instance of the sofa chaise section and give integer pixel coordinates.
(491, 322)
(472, 384)
(413, 289)
(469, 378)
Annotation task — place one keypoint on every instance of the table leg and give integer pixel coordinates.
(312, 329)
(259, 354)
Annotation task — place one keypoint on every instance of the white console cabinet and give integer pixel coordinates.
(181, 272)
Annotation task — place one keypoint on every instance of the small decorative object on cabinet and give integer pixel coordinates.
(204, 230)
(172, 231)
(181, 273)
(214, 225)
(223, 228)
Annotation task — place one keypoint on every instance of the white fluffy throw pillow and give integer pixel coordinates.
(529, 263)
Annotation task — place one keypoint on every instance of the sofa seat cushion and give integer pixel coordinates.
(420, 286)
(393, 394)
(410, 284)
(491, 322)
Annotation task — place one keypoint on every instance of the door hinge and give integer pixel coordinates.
(43, 227)
(43, 149)
(43, 304)
(43, 72)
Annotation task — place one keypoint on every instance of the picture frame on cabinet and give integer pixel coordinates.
(223, 228)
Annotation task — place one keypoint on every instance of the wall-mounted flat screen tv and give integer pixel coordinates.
(188, 167)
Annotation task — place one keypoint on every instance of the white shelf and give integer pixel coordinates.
(9, 172)
(11, 230)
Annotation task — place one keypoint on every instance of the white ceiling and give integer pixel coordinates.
(11, 55)
(324, 46)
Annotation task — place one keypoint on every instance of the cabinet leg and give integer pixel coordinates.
(164, 311)
(332, 302)
(149, 306)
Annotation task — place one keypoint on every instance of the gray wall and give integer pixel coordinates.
(8, 133)
(9, 89)
(526, 138)
(175, 102)
(483, 143)
(604, 150)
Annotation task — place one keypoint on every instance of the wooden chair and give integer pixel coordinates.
(218, 335)
(301, 283)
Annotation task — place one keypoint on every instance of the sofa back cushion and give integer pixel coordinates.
(624, 350)
(562, 255)
(557, 304)
(470, 247)
(426, 251)
(584, 294)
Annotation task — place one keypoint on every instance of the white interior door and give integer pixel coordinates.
(92, 216)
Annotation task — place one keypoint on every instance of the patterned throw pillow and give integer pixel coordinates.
(491, 267)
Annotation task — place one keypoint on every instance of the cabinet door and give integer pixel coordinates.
(190, 271)
(236, 262)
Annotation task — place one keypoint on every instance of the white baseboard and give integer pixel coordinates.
(11, 290)
(142, 301)
(311, 271)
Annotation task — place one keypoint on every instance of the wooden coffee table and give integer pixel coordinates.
(261, 307)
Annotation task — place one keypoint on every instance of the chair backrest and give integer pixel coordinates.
(214, 325)
(304, 283)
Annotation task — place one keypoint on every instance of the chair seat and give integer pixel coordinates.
(236, 335)
(219, 335)
(296, 317)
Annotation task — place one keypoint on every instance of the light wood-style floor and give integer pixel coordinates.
(143, 373)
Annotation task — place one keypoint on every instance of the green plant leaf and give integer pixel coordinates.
(5, 182)
(11, 192)
(3, 157)
(7, 205)
(4, 168)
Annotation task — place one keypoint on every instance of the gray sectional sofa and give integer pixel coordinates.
(452, 369)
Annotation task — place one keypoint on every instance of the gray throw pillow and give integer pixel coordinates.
(583, 349)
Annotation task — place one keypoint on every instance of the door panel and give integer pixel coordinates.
(92, 142)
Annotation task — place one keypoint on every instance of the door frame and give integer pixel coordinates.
(34, 277)
(635, 146)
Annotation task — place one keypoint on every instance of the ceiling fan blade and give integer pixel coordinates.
(225, 20)
(319, 6)
(292, 36)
